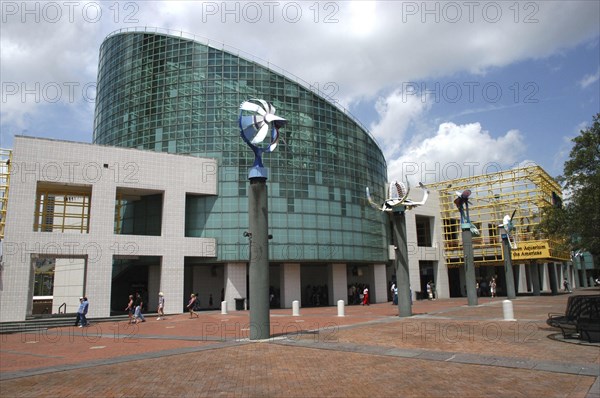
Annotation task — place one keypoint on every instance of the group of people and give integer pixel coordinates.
(431, 292)
(136, 304)
(317, 295)
(358, 293)
(484, 287)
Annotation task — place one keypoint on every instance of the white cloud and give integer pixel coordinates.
(457, 151)
(590, 79)
(396, 113)
(361, 49)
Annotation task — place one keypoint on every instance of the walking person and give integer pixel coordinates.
(493, 287)
(82, 312)
(130, 308)
(79, 312)
(139, 302)
(192, 306)
(366, 296)
(161, 306)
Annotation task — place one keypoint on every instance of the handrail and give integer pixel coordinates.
(65, 305)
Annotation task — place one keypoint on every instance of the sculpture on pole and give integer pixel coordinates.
(462, 202)
(396, 204)
(468, 231)
(257, 120)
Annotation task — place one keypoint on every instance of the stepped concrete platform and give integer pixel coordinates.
(445, 349)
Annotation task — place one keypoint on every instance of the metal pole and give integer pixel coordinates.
(402, 273)
(508, 269)
(470, 280)
(260, 323)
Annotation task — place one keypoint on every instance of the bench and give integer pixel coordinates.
(589, 323)
(581, 318)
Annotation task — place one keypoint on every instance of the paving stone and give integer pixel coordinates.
(447, 348)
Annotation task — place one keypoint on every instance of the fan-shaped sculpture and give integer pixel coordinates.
(397, 196)
(257, 120)
(509, 226)
(462, 203)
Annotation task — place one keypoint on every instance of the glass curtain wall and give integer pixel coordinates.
(164, 93)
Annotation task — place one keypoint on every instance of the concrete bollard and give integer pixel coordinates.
(295, 308)
(223, 307)
(340, 305)
(507, 308)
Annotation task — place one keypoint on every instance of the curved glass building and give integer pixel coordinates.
(170, 93)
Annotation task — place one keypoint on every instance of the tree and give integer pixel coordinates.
(579, 219)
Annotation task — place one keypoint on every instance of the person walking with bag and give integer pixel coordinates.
(192, 306)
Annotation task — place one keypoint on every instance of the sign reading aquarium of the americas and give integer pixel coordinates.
(531, 250)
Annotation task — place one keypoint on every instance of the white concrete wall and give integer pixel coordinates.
(153, 287)
(338, 283)
(290, 284)
(104, 169)
(69, 277)
(235, 283)
(379, 287)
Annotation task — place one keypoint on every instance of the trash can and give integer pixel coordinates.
(239, 304)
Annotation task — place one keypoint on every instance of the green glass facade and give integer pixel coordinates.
(172, 94)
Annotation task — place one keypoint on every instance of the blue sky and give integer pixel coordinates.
(482, 85)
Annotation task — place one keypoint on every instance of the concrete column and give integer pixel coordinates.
(535, 278)
(508, 268)
(575, 273)
(401, 264)
(379, 287)
(153, 287)
(338, 283)
(553, 278)
(235, 283)
(584, 280)
(521, 278)
(461, 280)
(171, 283)
(258, 224)
(289, 284)
(440, 275)
(471, 282)
(98, 285)
(545, 282)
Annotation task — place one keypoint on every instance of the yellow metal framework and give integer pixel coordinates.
(62, 209)
(5, 158)
(527, 190)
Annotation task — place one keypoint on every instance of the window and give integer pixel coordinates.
(423, 231)
(62, 208)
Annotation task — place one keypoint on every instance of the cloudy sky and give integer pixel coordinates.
(449, 89)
